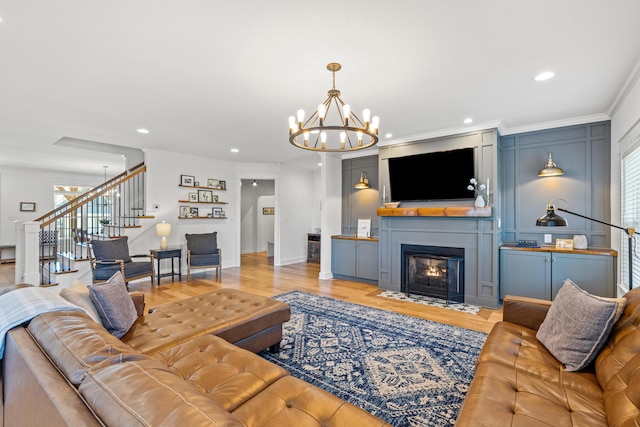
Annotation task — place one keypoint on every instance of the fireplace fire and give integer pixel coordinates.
(438, 275)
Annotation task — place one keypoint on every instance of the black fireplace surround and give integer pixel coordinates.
(433, 271)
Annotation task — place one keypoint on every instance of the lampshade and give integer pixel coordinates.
(550, 168)
(163, 230)
(363, 183)
(551, 219)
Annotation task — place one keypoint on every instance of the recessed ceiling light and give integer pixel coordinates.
(141, 130)
(319, 164)
(388, 135)
(545, 75)
(234, 150)
(468, 120)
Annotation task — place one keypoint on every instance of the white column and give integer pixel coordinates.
(331, 210)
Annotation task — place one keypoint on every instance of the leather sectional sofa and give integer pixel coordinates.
(518, 382)
(173, 368)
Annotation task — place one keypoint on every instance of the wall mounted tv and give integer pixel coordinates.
(442, 175)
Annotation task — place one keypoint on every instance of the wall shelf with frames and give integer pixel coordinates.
(201, 196)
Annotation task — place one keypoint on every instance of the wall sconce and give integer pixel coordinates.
(163, 230)
(363, 183)
(550, 168)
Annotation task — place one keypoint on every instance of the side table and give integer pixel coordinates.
(159, 254)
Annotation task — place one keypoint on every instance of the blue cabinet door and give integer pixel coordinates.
(594, 273)
(526, 274)
(367, 260)
(343, 257)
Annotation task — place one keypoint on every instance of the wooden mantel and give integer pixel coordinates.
(452, 211)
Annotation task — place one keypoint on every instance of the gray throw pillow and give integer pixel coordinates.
(114, 305)
(578, 324)
(202, 244)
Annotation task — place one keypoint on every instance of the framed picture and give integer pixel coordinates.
(196, 183)
(217, 212)
(223, 185)
(268, 211)
(223, 214)
(193, 197)
(213, 183)
(187, 180)
(564, 244)
(184, 210)
(194, 212)
(364, 228)
(27, 206)
(215, 198)
(205, 196)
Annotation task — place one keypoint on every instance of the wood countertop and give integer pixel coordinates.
(366, 239)
(552, 248)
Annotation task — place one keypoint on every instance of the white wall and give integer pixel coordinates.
(163, 179)
(34, 185)
(625, 134)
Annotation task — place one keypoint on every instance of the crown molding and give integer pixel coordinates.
(625, 90)
(557, 123)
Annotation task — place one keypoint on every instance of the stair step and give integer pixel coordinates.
(74, 256)
(146, 216)
(48, 285)
(122, 226)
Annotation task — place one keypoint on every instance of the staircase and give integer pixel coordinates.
(105, 212)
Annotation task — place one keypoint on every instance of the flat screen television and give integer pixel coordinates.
(442, 175)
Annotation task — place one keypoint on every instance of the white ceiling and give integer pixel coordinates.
(205, 76)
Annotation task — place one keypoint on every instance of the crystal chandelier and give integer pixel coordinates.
(334, 129)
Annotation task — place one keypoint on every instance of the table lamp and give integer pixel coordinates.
(163, 230)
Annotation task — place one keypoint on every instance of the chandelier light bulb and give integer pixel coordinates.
(323, 139)
(366, 115)
(292, 123)
(306, 138)
(322, 111)
(375, 122)
(359, 137)
(300, 116)
(343, 137)
(346, 109)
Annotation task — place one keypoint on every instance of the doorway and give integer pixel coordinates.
(257, 209)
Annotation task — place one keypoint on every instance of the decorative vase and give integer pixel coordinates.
(479, 201)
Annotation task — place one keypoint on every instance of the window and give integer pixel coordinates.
(630, 213)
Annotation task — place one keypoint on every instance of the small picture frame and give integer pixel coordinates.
(205, 196)
(217, 212)
(27, 206)
(268, 211)
(223, 214)
(196, 184)
(184, 211)
(566, 244)
(193, 197)
(364, 228)
(187, 180)
(194, 212)
(215, 198)
(223, 185)
(213, 183)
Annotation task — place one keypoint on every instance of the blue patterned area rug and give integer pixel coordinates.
(406, 371)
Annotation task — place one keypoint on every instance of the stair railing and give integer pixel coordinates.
(102, 213)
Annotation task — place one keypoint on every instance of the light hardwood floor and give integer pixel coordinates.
(258, 276)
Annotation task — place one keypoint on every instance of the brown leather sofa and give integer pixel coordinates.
(519, 383)
(64, 369)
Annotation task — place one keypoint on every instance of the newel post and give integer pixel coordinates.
(27, 263)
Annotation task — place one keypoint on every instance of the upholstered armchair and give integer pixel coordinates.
(203, 252)
(109, 256)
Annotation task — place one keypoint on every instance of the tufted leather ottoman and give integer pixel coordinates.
(249, 321)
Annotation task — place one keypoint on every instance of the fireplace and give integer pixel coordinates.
(433, 271)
